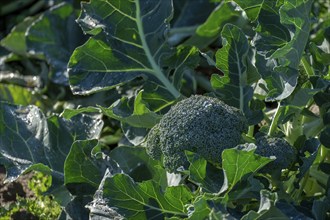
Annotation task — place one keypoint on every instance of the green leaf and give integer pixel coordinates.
(282, 35)
(135, 114)
(209, 31)
(320, 53)
(144, 200)
(266, 208)
(208, 206)
(237, 164)
(325, 137)
(321, 58)
(76, 208)
(217, 19)
(270, 207)
(204, 174)
(134, 135)
(130, 42)
(185, 13)
(156, 96)
(233, 87)
(135, 162)
(16, 40)
(246, 190)
(82, 170)
(185, 58)
(20, 96)
(252, 7)
(185, 20)
(28, 140)
(55, 35)
(201, 209)
(69, 113)
(295, 15)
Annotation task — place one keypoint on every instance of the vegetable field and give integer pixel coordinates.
(167, 109)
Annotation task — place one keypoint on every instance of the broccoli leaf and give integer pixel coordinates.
(201, 209)
(69, 113)
(217, 19)
(209, 31)
(156, 96)
(185, 20)
(43, 37)
(20, 95)
(324, 137)
(204, 174)
(233, 88)
(75, 209)
(129, 42)
(84, 167)
(280, 49)
(237, 164)
(252, 8)
(267, 208)
(28, 140)
(135, 162)
(207, 207)
(16, 40)
(144, 200)
(185, 58)
(134, 112)
(186, 11)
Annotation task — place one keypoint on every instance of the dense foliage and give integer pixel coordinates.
(84, 85)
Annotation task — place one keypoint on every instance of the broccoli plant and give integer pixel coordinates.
(283, 152)
(152, 109)
(200, 124)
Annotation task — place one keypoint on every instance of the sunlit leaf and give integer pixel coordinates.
(233, 87)
(252, 7)
(16, 40)
(133, 111)
(237, 164)
(203, 174)
(55, 35)
(29, 140)
(130, 42)
(83, 169)
(144, 200)
(282, 35)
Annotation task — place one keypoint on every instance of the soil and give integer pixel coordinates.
(9, 192)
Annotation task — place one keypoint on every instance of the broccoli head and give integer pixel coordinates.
(278, 147)
(200, 124)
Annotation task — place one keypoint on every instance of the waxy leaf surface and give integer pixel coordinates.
(28, 139)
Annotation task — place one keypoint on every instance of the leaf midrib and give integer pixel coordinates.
(157, 71)
(142, 202)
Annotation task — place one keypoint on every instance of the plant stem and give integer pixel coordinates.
(297, 194)
(251, 131)
(320, 176)
(184, 30)
(324, 154)
(273, 125)
(307, 67)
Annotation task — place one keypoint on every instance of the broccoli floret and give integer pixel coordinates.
(278, 147)
(200, 124)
